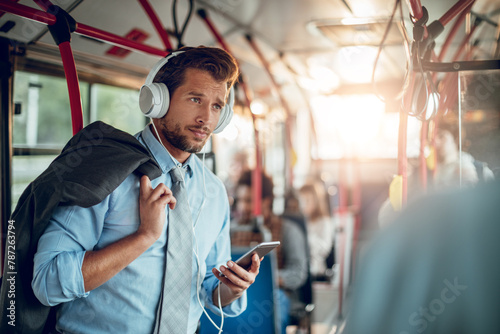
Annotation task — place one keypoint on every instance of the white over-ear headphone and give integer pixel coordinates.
(154, 98)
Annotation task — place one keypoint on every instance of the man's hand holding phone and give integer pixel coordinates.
(240, 274)
(235, 280)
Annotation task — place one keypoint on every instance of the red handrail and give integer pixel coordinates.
(73, 86)
(156, 23)
(257, 172)
(452, 34)
(202, 13)
(27, 12)
(402, 155)
(415, 9)
(288, 138)
(43, 4)
(449, 93)
(417, 12)
(67, 54)
(1, 13)
(105, 36)
(421, 157)
(460, 8)
(70, 72)
(81, 29)
(455, 10)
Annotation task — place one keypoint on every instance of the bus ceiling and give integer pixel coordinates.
(278, 44)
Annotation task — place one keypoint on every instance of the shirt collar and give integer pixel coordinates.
(165, 161)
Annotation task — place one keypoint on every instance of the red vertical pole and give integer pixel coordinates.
(256, 174)
(73, 86)
(288, 138)
(425, 126)
(422, 160)
(433, 143)
(402, 156)
(69, 65)
(417, 13)
(6, 130)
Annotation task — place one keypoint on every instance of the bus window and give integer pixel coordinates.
(40, 128)
(42, 123)
(117, 106)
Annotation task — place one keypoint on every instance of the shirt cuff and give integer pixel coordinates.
(71, 280)
(79, 285)
(232, 310)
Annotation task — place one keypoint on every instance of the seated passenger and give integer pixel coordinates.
(435, 270)
(320, 228)
(291, 254)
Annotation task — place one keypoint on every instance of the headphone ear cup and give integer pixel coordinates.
(154, 100)
(226, 113)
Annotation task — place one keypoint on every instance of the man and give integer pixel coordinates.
(435, 270)
(105, 265)
(292, 253)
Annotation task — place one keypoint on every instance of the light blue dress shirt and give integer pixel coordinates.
(127, 303)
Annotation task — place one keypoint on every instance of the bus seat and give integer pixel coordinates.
(261, 315)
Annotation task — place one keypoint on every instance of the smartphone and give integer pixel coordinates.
(245, 261)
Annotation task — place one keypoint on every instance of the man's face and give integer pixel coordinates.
(244, 207)
(193, 114)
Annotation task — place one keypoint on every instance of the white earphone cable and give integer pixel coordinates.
(195, 251)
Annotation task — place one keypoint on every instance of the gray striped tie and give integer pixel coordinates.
(174, 305)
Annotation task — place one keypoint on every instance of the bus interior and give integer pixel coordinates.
(348, 95)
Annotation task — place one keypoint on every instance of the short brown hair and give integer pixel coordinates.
(219, 63)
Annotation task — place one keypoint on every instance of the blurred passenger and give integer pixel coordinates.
(449, 158)
(453, 168)
(320, 228)
(239, 163)
(292, 205)
(291, 254)
(434, 271)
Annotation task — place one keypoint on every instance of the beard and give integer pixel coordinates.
(172, 133)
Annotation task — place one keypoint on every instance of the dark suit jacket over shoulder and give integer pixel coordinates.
(91, 165)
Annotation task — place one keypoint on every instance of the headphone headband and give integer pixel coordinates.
(159, 65)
